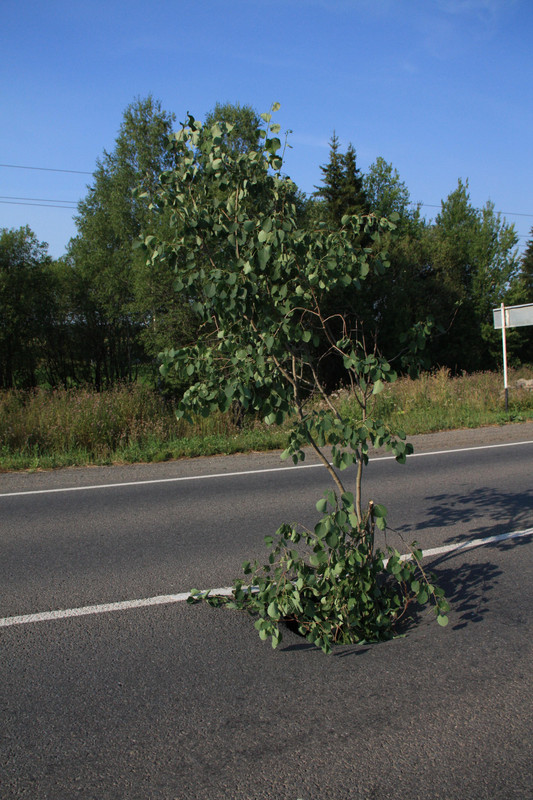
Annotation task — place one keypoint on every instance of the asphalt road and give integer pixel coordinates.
(186, 702)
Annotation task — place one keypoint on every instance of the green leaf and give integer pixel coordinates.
(322, 506)
(341, 518)
(442, 619)
(263, 256)
(272, 145)
(379, 510)
(273, 610)
(332, 538)
(347, 460)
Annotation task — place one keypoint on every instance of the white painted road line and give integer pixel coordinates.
(246, 472)
(165, 599)
(470, 544)
(124, 605)
(158, 480)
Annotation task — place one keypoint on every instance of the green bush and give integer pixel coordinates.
(331, 584)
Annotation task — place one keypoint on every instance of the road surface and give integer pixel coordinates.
(171, 701)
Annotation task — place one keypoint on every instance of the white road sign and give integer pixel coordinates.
(511, 317)
(515, 316)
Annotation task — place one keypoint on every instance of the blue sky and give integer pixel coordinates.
(441, 88)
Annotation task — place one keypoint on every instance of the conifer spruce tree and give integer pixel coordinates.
(526, 271)
(332, 182)
(354, 196)
(520, 292)
(342, 190)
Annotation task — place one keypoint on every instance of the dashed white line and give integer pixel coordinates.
(165, 599)
(244, 472)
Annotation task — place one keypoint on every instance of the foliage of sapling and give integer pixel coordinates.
(261, 285)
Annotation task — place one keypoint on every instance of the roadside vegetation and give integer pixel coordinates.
(43, 429)
(98, 317)
(258, 301)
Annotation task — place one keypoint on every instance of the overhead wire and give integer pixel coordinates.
(39, 205)
(47, 169)
(30, 201)
(41, 202)
(69, 204)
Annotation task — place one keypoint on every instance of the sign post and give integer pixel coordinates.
(510, 317)
(504, 346)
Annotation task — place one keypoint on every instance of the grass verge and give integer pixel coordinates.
(129, 424)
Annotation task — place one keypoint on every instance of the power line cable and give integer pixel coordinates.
(47, 169)
(17, 201)
(7, 198)
(509, 213)
(38, 199)
(74, 207)
(39, 205)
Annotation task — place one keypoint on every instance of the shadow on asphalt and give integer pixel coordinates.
(347, 650)
(468, 588)
(507, 511)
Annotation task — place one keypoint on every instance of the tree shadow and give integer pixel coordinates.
(500, 511)
(468, 588)
(302, 644)
(337, 652)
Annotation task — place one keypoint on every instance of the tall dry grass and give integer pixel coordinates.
(133, 423)
(437, 401)
(95, 423)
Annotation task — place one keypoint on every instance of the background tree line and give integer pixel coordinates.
(100, 314)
